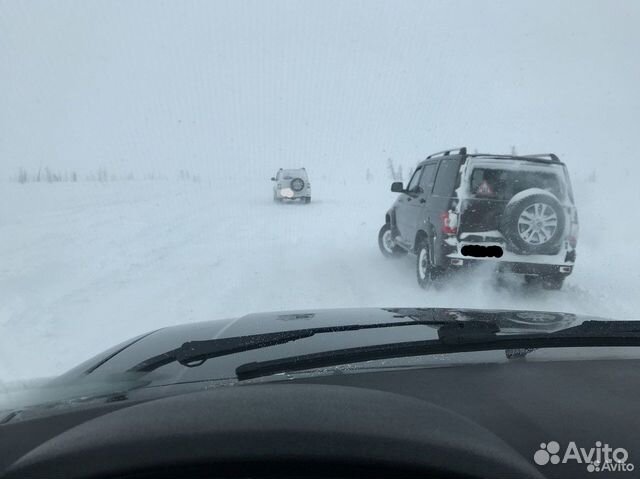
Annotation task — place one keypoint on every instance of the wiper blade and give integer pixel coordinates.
(194, 353)
(464, 336)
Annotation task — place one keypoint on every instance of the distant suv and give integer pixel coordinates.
(291, 184)
(460, 209)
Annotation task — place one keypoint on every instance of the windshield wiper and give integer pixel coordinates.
(194, 353)
(463, 336)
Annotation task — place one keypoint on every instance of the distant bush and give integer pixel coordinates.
(185, 175)
(23, 177)
(394, 173)
(102, 175)
(44, 176)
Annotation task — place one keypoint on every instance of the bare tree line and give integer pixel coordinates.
(101, 175)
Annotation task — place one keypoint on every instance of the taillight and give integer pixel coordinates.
(573, 235)
(449, 222)
(574, 230)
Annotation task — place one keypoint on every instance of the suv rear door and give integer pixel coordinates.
(491, 185)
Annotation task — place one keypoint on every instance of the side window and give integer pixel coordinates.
(428, 177)
(447, 178)
(413, 183)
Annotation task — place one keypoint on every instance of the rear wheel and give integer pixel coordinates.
(387, 245)
(424, 268)
(307, 199)
(429, 275)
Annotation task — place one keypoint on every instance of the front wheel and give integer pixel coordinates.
(387, 245)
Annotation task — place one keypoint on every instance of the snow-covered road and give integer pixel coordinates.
(86, 265)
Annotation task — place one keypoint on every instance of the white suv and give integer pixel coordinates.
(291, 184)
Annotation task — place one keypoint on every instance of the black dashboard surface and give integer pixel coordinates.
(484, 420)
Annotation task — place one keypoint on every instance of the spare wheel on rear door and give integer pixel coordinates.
(297, 184)
(534, 222)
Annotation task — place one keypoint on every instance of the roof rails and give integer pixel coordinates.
(542, 157)
(454, 151)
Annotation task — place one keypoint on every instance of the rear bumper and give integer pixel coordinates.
(538, 269)
(561, 263)
(289, 194)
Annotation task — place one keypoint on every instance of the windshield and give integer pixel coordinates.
(143, 145)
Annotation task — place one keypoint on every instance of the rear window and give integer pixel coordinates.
(291, 174)
(503, 183)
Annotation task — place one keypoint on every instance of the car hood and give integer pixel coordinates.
(108, 373)
(424, 324)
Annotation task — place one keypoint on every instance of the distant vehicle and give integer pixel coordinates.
(460, 209)
(291, 184)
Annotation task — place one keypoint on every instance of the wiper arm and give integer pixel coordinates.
(464, 336)
(194, 353)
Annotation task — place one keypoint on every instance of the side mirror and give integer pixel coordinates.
(273, 178)
(397, 187)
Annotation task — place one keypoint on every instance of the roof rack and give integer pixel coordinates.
(542, 157)
(458, 151)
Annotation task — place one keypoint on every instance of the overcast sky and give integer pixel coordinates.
(209, 85)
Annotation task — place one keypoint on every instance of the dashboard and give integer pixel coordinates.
(474, 421)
